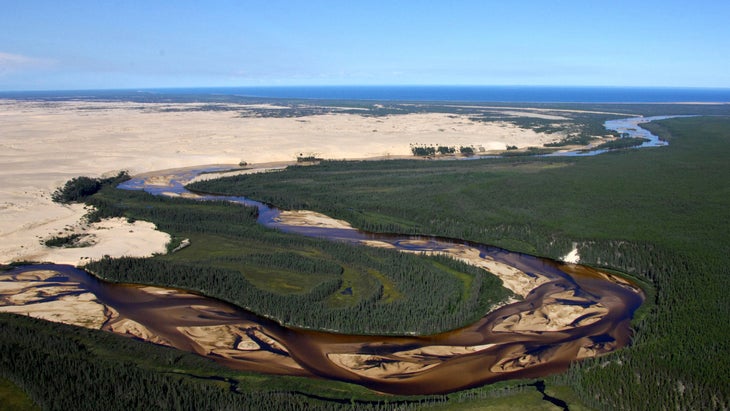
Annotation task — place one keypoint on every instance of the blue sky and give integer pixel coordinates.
(74, 44)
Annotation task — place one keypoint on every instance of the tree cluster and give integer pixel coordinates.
(80, 188)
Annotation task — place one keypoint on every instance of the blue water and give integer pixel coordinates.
(484, 94)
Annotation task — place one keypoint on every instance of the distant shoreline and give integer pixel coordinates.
(424, 94)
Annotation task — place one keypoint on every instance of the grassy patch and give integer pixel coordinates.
(12, 398)
(390, 289)
(530, 400)
(465, 279)
(516, 395)
(568, 395)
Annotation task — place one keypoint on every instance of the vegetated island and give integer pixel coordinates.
(632, 237)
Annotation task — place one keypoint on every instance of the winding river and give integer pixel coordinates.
(567, 312)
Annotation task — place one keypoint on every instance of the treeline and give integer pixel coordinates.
(580, 140)
(171, 213)
(662, 215)
(530, 151)
(80, 188)
(625, 142)
(426, 150)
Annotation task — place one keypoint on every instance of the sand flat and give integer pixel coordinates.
(82, 310)
(379, 367)
(304, 218)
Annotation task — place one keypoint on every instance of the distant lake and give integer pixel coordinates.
(474, 94)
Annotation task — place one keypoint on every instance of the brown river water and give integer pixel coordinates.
(570, 312)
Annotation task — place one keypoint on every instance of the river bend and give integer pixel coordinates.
(567, 312)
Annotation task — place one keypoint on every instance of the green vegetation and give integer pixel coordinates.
(307, 159)
(296, 280)
(423, 151)
(13, 398)
(530, 152)
(443, 150)
(626, 142)
(466, 150)
(579, 140)
(427, 151)
(508, 396)
(661, 214)
(68, 241)
(80, 188)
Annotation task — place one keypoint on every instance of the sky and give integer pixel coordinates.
(77, 44)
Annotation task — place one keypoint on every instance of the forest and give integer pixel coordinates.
(295, 280)
(660, 214)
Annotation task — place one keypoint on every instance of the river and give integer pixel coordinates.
(567, 312)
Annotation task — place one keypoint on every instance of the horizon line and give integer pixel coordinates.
(282, 86)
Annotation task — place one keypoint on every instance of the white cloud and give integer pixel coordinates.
(15, 62)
